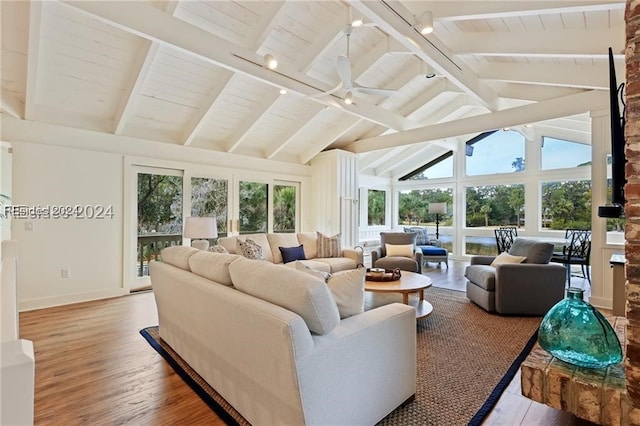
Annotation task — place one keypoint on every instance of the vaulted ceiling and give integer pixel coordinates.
(192, 72)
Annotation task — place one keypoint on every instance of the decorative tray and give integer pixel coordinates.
(379, 274)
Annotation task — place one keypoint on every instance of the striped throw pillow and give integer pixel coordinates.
(328, 246)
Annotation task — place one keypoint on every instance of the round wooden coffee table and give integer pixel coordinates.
(409, 282)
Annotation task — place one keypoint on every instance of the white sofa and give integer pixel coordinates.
(214, 310)
(271, 242)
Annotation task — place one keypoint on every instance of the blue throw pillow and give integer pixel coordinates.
(289, 254)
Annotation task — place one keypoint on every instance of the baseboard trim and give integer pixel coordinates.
(601, 302)
(49, 302)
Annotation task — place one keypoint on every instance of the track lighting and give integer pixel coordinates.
(425, 25)
(355, 18)
(348, 98)
(270, 61)
(283, 91)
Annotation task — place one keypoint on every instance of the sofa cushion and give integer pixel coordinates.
(290, 254)
(433, 251)
(309, 241)
(347, 288)
(316, 264)
(218, 249)
(422, 237)
(277, 240)
(230, 243)
(329, 246)
(178, 256)
(403, 250)
(504, 258)
(249, 249)
(534, 251)
(401, 262)
(483, 276)
(213, 266)
(294, 290)
(335, 264)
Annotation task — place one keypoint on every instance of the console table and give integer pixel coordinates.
(596, 395)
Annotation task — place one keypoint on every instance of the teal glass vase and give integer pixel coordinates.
(577, 333)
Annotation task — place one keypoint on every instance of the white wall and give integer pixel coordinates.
(5, 186)
(91, 249)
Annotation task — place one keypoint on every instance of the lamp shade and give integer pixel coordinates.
(200, 227)
(440, 208)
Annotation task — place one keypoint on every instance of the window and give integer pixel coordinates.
(497, 152)
(561, 154)
(284, 208)
(495, 205)
(413, 207)
(441, 167)
(566, 204)
(209, 197)
(253, 207)
(376, 207)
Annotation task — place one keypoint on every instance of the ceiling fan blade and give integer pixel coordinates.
(327, 93)
(374, 91)
(344, 71)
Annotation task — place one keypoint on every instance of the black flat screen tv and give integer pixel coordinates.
(618, 160)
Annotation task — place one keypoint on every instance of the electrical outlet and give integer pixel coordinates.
(65, 273)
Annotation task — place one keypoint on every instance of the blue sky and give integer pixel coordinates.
(496, 153)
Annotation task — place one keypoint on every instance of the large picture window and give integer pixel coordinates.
(495, 205)
(499, 152)
(566, 204)
(561, 154)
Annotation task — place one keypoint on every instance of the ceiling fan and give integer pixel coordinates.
(343, 67)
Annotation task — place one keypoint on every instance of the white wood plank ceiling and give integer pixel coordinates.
(191, 72)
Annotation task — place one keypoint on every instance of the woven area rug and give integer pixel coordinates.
(466, 357)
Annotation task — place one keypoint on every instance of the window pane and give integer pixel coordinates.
(209, 198)
(561, 154)
(376, 207)
(159, 217)
(566, 204)
(500, 152)
(284, 208)
(413, 207)
(253, 207)
(495, 205)
(480, 245)
(443, 169)
(615, 227)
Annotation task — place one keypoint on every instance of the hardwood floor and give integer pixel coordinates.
(93, 367)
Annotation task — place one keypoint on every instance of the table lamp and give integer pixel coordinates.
(438, 209)
(200, 229)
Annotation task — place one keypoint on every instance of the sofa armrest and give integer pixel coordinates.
(355, 253)
(529, 289)
(482, 260)
(376, 254)
(376, 350)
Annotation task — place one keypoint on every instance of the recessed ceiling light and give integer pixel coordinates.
(283, 91)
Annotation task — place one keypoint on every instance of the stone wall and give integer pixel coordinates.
(632, 208)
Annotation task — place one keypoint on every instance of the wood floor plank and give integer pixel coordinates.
(93, 367)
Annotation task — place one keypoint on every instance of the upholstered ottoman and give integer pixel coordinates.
(434, 254)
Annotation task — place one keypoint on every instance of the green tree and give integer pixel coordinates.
(518, 164)
(485, 210)
(284, 208)
(376, 211)
(253, 207)
(159, 204)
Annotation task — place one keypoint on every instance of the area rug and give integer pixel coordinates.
(466, 357)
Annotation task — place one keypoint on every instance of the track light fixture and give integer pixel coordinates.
(348, 98)
(425, 24)
(270, 61)
(355, 18)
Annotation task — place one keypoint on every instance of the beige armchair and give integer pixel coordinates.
(411, 262)
(527, 288)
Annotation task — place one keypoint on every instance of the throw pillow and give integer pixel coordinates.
(218, 249)
(249, 249)
(422, 237)
(504, 258)
(290, 254)
(329, 246)
(400, 250)
(347, 288)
